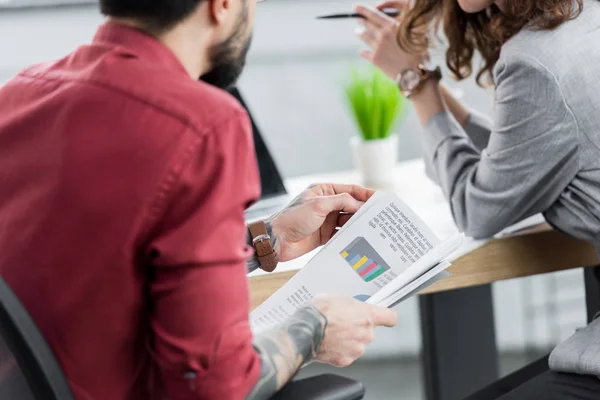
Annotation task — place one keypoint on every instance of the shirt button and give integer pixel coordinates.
(190, 375)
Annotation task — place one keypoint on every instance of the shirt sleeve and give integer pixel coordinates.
(530, 157)
(202, 340)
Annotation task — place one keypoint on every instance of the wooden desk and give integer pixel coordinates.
(457, 312)
(532, 253)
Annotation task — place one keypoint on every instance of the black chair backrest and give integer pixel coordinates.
(270, 178)
(28, 369)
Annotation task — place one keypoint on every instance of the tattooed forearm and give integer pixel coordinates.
(284, 349)
(252, 263)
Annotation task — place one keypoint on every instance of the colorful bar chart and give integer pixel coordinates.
(364, 260)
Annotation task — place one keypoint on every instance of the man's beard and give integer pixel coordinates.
(229, 57)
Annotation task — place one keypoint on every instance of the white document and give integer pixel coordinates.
(383, 255)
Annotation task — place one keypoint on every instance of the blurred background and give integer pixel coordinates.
(293, 86)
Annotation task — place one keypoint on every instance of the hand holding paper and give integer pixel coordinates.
(382, 255)
(350, 327)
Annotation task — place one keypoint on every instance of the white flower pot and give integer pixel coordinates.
(375, 160)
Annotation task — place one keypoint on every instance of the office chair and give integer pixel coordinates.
(29, 371)
(322, 387)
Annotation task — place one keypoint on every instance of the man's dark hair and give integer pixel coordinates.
(156, 15)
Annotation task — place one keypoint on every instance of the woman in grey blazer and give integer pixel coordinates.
(541, 150)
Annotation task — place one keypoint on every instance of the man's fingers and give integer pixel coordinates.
(339, 202)
(358, 192)
(328, 227)
(342, 219)
(327, 189)
(384, 316)
(335, 231)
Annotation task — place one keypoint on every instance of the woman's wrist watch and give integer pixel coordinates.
(410, 80)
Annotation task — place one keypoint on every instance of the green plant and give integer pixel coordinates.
(375, 102)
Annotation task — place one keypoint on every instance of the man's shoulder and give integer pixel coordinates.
(196, 104)
(202, 108)
(206, 108)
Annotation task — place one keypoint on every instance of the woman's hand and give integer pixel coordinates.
(380, 33)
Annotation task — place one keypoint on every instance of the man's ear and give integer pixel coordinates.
(218, 10)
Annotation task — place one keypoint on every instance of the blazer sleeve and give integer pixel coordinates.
(479, 129)
(530, 157)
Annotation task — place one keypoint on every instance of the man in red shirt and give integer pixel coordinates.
(123, 183)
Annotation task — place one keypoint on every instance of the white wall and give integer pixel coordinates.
(293, 79)
(292, 84)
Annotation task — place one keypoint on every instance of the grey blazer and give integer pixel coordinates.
(541, 153)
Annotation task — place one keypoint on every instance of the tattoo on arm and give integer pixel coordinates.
(284, 349)
(252, 263)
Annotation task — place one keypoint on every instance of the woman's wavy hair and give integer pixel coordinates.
(485, 31)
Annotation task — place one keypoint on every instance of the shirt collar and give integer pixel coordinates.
(139, 43)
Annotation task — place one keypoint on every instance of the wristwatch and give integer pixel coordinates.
(263, 247)
(410, 80)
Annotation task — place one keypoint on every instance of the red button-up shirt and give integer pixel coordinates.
(122, 189)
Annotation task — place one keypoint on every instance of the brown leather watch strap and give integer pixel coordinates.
(267, 257)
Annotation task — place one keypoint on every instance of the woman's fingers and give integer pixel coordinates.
(374, 16)
(397, 4)
(368, 25)
(367, 36)
(367, 55)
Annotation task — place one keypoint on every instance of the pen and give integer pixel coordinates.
(390, 12)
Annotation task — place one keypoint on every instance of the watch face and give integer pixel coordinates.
(410, 79)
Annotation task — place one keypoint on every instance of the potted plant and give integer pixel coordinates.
(376, 105)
